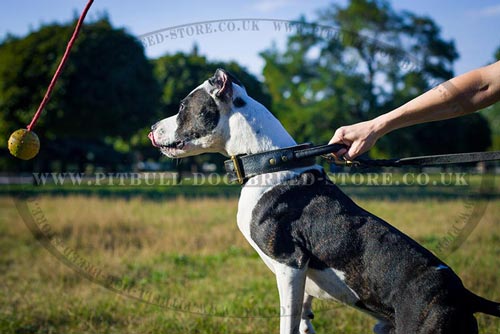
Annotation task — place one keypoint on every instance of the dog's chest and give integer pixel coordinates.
(250, 196)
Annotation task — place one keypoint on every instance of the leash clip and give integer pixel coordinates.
(351, 163)
(332, 158)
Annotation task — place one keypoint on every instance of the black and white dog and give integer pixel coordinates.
(315, 239)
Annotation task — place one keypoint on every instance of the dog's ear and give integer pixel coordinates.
(223, 83)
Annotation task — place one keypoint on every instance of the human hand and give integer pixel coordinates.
(358, 138)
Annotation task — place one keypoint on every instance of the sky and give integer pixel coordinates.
(473, 25)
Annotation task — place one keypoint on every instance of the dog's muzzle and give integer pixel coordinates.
(152, 138)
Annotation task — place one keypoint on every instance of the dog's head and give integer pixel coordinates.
(198, 127)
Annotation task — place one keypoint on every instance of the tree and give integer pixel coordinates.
(180, 73)
(106, 90)
(303, 88)
(375, 60)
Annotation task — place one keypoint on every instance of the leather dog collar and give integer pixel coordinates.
(242, 167)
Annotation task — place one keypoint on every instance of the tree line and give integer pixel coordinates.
(110, 93)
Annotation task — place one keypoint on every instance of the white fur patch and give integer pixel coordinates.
(330, 284)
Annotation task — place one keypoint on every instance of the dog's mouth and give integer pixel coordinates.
(178, 145)
(169, 150)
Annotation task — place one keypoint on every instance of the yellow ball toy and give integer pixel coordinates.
(24, 144)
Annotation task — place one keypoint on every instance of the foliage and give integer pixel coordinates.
(492, 114)
(376, 60)
(180, 73)
(106, 89)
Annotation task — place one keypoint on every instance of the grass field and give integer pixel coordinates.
(188, 257)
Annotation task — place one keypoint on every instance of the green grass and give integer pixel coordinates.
(187, 256)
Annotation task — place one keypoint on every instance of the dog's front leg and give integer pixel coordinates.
(291, 285)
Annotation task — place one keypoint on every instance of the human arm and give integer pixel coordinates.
(459, 96)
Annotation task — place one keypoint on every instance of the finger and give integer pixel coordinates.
(340, 153)
(353, 152)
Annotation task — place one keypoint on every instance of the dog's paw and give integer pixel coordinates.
(306, 326)
(307, 329)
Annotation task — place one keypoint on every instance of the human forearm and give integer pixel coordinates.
(459, 96)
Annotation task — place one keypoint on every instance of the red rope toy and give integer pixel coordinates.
(24, 143)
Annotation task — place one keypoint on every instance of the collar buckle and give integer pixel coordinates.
(237, 169)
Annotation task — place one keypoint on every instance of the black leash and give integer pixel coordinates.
(426, 160)
(241, 168)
